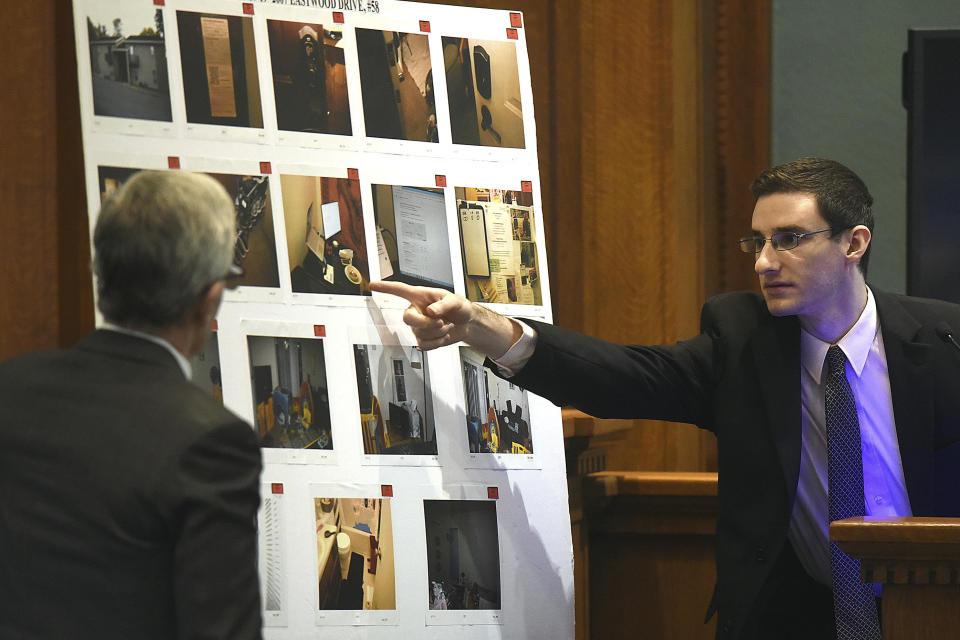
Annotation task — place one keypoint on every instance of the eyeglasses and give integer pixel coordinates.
(233, 276)
(782, 241)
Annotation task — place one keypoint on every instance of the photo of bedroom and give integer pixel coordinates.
(396, 78)
(463, 554)
(396, 406)
(355, 564)
(498, 412)
(290, 401)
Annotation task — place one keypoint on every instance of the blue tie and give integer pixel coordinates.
(854, 604)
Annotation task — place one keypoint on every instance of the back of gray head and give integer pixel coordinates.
(159, 243)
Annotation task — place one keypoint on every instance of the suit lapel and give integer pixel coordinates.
(911, 390)
(776, 353)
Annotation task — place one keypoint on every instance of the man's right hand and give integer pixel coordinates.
(439, 318)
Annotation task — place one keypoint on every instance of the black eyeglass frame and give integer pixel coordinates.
(777, 240)
(233, 276)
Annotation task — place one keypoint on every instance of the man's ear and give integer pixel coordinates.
(859, 241)
(205, 309)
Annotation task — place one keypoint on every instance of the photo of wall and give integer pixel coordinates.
(355, 563)
(483, 90)
(499, 246)
(396, 406)
(412, 231)
(205, 368)
(309, 78)
(325, 238)
(289, 381)
(396, 79)
(498, 412)
(256, 247)
(128, 60)
(463, 554)
(219, 63)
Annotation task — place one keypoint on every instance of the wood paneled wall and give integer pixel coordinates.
(45, 290)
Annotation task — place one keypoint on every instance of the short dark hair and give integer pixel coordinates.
(158, 243)
(841, 196)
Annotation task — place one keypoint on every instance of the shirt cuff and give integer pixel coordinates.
(519, 353)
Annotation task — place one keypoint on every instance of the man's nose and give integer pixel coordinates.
(767, 260)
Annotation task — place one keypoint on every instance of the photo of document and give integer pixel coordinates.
(396, 405)
(355, 563)
(128, 60)
(463, 554)
(218, 60)
(499, 246)
(497, 411)
(309, 78)
(412, 231)
(290, 399)
(396, 78)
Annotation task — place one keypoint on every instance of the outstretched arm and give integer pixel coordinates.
(439, 318)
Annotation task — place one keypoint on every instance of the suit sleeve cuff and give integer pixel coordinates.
(519, 353)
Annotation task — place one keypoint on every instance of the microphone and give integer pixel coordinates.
(946, 334)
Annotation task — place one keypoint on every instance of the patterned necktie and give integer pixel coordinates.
(854, 604)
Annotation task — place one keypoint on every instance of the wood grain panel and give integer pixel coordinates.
(40, 176)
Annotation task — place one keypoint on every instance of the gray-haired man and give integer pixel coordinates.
(128, 497)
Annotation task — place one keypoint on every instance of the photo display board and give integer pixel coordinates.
(405, 494)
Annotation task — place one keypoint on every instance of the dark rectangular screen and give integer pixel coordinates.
(932, 97)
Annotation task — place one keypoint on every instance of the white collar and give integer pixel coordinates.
(182, 362)
(855, 344)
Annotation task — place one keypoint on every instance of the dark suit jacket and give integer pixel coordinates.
(740, 379)
(128, 499)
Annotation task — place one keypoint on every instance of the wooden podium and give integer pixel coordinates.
(917, 560)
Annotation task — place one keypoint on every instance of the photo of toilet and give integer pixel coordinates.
(355, 563)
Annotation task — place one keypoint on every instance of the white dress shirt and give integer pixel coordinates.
(884, 488)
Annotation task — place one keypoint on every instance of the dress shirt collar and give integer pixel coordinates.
(182, 362)
(855, 344)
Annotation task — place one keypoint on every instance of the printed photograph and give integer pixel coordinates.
(205, 368)
(256, 248)
(483, 91)
(396, 406)
(219, 63)
(128, 60)
(396, 79)
(355, 565)
(499, 246)
(309, 78)
(326, 244)
(498, 413)
(463, 554)
(290, 401)
(412, 240)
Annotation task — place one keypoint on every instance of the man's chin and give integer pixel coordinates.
(779, 307)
